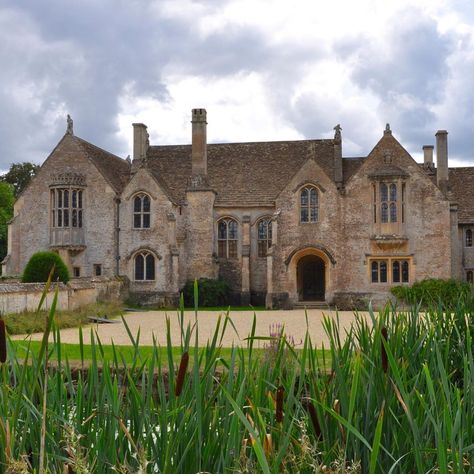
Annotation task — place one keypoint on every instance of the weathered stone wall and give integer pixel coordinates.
(232, 270)
(292, 235)
(157, 239)
(30, 230)
(424, 237)
(15, 298)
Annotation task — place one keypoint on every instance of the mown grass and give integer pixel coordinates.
(29, 322)
(398, 398)
(126, 353)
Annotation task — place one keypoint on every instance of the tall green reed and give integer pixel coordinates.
(396, 394)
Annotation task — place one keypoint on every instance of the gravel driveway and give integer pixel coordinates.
(154, 323)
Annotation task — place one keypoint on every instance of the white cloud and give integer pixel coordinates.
(264, 70)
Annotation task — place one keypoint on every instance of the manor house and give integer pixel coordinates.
(286, 223)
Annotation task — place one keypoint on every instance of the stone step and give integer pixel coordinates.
(311, 305)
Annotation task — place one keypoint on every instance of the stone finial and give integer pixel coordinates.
(337, 133)
(387, 130)
(70, 125)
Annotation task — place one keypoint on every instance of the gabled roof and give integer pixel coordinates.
(114, 169)
(244, 173)
(461, 182)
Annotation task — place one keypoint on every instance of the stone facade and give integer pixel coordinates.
(285, 223)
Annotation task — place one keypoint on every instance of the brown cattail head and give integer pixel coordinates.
(3, 342)
(309, 407)
(382, 349)
(183, 367)
(279, 404)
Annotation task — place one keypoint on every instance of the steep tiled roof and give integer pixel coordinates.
(350, 166)
(461, 181)
(114, 169)
(245, 173)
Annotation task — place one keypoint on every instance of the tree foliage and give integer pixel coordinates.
(40, 264)
(19, 175)
(6, 213)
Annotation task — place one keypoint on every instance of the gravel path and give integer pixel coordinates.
(153, 323)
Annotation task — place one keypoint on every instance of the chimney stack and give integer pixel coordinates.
(199, 142)
(428, 154)
(442, 159)
(140, 141)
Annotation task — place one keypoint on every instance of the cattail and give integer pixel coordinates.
(308, 405)
(279, 404)
(183, 366)
(3, 342)
(268, 445)
(383, 351)
(337, 408)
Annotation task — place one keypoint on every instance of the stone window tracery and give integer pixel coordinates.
(227, 238)
(309, 204)
(388, 202)
(468, 238)
(66, 207)
(144, 266)
(390, 270)
(141, 211)
(264, 229)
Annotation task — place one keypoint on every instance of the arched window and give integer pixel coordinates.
(309, 204)
(468, 238)
(144, 266)
(227, 238)
(141, 211)
(264, 236)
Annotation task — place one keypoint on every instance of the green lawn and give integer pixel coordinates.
(72, 352)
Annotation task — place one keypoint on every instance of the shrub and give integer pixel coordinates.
(433, 291)
(40, 264)
(211, 292)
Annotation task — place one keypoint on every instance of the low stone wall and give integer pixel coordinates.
(16, 297)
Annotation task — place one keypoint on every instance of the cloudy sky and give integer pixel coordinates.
(263, 69)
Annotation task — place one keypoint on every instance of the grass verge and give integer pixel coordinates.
(29, 322)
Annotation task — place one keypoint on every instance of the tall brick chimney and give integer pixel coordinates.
(140, 141)
(442, 159)
(199, 142)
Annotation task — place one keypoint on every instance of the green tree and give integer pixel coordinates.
(6, 213)
(19, 175)
(40, 264)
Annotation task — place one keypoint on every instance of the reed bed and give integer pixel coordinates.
(398, 398)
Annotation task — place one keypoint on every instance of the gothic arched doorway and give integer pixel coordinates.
(311, 278)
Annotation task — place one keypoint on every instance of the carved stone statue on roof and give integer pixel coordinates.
(70, 125)
(337, 134)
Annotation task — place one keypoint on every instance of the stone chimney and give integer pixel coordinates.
(428, 155)
(199, 142)
(442, 159)
(140, 141)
